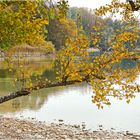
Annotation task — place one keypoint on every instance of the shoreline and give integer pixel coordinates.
(30, 57)
(23, 129)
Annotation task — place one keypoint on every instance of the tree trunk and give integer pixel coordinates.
(14, 95)
(27, 91)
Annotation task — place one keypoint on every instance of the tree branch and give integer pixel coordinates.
(133, 6)
(27, 91)
(13, 95)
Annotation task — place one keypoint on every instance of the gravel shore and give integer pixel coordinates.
(17, 129)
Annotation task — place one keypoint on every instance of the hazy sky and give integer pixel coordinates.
(88, 3)
(93, 4)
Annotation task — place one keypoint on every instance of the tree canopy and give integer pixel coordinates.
(22, 22)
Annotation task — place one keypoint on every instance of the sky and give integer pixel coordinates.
(93, 4)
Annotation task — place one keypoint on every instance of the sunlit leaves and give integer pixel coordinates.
(22, 22)
(63, 8)
(71, 59)
(102, 73)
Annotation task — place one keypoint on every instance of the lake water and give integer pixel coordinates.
(71, 103)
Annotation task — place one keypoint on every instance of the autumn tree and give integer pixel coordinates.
(23, 22)
(101, 72)
(83, 16)
(59, 30)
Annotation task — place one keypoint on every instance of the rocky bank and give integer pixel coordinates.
(17, 129)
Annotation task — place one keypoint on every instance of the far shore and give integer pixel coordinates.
(18, 129)
(30, 57)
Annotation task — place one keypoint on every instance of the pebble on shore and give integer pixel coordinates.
(17, 129)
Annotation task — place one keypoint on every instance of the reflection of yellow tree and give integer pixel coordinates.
(24, 70)
(32, 67)
(34, 101)
(6, 86)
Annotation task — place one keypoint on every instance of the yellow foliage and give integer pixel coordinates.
(102, 73)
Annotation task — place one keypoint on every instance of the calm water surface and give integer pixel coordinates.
(72, 104)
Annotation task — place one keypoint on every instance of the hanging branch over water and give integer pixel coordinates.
(27, 91)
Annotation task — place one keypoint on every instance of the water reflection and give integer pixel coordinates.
(71, 103)
(35, 100)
